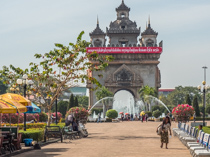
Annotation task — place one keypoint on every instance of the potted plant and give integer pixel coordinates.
(112, 114)
(183, 112)
(156, 114)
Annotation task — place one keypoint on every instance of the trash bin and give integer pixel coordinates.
(28, 141)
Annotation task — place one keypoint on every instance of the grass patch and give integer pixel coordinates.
(206, 129)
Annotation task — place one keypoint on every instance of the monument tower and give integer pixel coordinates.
(135, 64)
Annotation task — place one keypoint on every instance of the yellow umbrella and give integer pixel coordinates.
(142, 113)
(17, 98)
(5, 107)
(19, 107)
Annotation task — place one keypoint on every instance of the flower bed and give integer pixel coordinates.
(59, 115)
(183, 112)
(14, 117)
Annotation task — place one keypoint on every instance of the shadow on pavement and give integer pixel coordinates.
(48, 152)
(122, 137)
(178, 148)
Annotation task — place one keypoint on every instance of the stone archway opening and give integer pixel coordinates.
(124, 101)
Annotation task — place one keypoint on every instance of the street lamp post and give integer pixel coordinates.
(24, 81)
(204, 90)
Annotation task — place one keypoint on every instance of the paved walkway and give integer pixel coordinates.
(124, 139)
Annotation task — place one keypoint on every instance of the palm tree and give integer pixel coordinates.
(102, 93)
(146, 91)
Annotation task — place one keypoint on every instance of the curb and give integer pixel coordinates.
(30, 148)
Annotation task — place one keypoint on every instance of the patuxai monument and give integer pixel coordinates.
(136, 55)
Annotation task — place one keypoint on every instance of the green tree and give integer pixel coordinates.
(102, 93)
(156, 107)
(164, 99)
(156, 113)
(59, 70)
(148, 113)
(195, 105)
(83, 101)
(208, 98)
(112, 114)
(162, 108)
(71, 101)
(208, 109)
(3, 88)
(178, 95)
(76, 104)
(146, 91)
(62, 107)
(187, 100)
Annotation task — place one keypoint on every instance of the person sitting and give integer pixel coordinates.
(69, 120)
(200, 127)
(74, 125)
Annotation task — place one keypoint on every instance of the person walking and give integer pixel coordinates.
(194, 116)
(131, 117)
(99, 118)
(165, 128)
(142, 118)
(136, 118)
(146, 117)
(122, 117)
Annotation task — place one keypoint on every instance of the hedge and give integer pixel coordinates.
(112, 114)
(36, 135)
(61, 125)
(148, 113)
(28, 125)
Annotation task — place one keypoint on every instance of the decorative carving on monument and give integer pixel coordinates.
(98, 43)
(123, 69)
(123, 76)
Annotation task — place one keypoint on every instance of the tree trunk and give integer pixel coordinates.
(49, 116)
(104, 110)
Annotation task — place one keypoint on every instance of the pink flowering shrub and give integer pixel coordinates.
(14, 117)
(59, 115)
(183, 112)
(79, 113)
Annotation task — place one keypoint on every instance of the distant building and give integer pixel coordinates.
(78, 91)
(165, 92)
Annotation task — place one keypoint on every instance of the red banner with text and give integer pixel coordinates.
(125, 49)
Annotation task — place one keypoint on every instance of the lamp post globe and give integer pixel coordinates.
(25, 76)
(19, 81)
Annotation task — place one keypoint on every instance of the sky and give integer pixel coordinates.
(29, 27)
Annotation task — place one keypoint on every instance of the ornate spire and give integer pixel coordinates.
(149, 21)
(146, 24)
(97, 21)
(97, 30)
(149, 30)
(122, 7)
